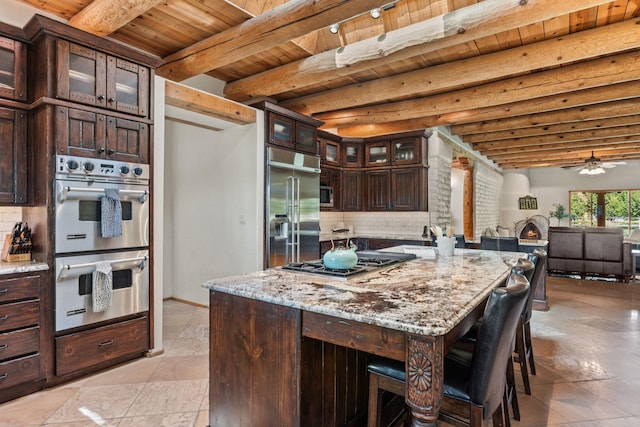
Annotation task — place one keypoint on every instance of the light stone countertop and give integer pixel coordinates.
(21, 267)
(422, 296)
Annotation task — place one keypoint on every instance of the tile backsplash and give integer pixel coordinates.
(382, 224)
(9, 215)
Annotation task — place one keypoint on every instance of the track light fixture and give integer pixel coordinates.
(374, 13)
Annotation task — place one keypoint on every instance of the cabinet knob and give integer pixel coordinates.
(112, 99)
(101, 98)
(111, 151)
(100, 150)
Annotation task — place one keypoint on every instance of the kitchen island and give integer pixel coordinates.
(259, 322)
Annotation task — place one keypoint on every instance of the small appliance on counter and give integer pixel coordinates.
(17, 245)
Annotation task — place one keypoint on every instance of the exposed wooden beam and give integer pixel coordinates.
(490, 67)
(279, 25)
(575, 77)
(606, 110)
(457, 27)
(564, 150)
(201, 102)
(550, 162)
(602, 110)
(540, 140)
(553, 129)
(103, 17)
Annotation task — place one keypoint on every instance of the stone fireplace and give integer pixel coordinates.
(534, 228)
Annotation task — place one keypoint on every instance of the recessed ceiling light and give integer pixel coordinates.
(333, 28)
(375, 13)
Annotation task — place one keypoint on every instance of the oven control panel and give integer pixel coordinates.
(68, 166)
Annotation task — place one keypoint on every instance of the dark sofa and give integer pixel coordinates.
(589, 251)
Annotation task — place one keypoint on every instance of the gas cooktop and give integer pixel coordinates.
(367, 261)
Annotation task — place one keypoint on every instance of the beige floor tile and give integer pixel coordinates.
(167, 397)
(136, 371)
(33, 409)
(103, 401)
(577, 404)
(181, 419)
(182, 368)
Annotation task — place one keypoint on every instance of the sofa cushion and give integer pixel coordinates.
(603, 244)
(565, 242)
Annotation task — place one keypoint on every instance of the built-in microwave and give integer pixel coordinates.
(326, 196)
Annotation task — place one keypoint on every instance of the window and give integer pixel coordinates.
(619, 208)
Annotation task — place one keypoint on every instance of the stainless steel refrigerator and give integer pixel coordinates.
(292, 207)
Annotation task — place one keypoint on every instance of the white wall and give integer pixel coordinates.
(552, 185)
(214, 205)
(457, 200)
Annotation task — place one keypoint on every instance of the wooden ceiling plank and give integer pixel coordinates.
(103, 17)
(204, 103)
(561, 137)
(557, 147)
(580, 46)
(552, 129)
(505, 95)
(604, 110)
(427, 36)
(614, 148)
(293, 19)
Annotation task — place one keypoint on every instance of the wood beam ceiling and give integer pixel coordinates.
(457, 27)
(275, 27)
(103, 17)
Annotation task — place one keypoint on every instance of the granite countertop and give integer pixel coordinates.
(22, 267)
(422, 296)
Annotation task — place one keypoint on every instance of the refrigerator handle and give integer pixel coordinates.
(292, 251)
(297, 218)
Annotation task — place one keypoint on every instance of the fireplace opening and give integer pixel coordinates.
(533, 228)
(530, 232)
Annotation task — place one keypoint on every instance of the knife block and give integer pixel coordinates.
(13, 253)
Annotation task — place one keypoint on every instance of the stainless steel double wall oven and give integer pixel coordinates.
(80, 184)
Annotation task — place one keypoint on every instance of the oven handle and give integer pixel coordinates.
(66, 189)
(142, 259)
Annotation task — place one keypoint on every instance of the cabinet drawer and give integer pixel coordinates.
(89, 348)
(19, 371)
(19, 315)
(23, 341)
(19, 288)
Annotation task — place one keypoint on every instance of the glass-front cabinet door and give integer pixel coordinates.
(81, 74)
(127, 86)
(94, 78)
(306, 138)
(377, 154)
(13, 65)
(406, 151)
(352, 154)
(280, 130)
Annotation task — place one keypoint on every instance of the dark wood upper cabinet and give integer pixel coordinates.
(13, 156)
(13, 69)
(91, 77)
(377, 154)
(352, 154)
(289, 129)
(330, 151)
(88, 134)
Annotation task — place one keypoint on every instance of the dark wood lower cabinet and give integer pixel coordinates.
(102, 346)
(21, 320)
(334, 385)
(260, 363)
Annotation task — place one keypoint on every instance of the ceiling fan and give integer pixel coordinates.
(594, 166)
